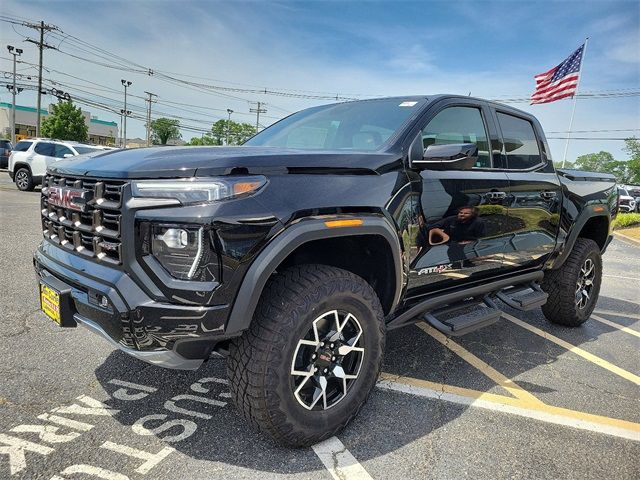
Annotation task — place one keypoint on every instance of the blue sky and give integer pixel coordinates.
(491, 49)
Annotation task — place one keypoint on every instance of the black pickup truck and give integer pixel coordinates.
(293, 254)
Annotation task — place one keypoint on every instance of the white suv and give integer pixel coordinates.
(30, 158)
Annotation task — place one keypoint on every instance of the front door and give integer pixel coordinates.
(534, 193)
(461, 215)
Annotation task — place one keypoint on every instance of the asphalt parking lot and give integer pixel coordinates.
(519, 399)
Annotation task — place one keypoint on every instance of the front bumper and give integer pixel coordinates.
(108, 302)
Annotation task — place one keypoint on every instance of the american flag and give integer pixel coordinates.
(559, 82)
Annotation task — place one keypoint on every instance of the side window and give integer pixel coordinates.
(61, 151)
(520, 142)
(459, 125)
(44, 148)
(22, 146)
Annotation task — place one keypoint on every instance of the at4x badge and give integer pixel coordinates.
(436, 269)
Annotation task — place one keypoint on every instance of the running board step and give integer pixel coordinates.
(479, 317)
(524, 299)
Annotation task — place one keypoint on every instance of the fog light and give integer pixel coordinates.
(175, 238)
(178, 249)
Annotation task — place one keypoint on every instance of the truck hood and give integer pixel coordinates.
(179, 162)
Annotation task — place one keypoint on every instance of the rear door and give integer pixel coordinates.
(534, 191)
(43, 155)
(459, 229)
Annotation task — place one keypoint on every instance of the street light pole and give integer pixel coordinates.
(229, 111)
(125, 84)
(16, 52)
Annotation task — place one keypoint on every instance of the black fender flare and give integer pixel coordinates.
(286, 241)
(18, 165)
(571, 238)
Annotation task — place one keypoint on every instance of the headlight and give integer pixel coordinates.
(178, 249)
(198, 190)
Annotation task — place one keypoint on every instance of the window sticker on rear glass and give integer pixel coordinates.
(407, 104)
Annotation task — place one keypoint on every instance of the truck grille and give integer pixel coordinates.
(94, 232)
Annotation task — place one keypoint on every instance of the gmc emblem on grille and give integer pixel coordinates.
(71, 198)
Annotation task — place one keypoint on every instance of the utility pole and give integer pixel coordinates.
(258, 111)
(150, 99)
(16, 52)
(229, 111)
(42, 27)
(126, 84)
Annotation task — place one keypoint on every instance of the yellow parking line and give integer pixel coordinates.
(506, 383)
(444, 388)
(577, 350)
(619, 314)
(537, 411)
(615, 325)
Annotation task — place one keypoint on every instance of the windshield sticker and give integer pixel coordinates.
(407, 104)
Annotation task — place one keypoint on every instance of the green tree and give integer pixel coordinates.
(595, 162)
(164, 129)
(238, 132)
(566, 165)
(632, 147)
(65, 122)
(205, 139)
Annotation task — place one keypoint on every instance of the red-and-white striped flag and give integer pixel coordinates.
(559, 82)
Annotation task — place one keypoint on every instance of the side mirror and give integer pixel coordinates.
(457, 156)
(67, 155)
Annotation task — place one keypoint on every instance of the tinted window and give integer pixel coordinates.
(44, 148)
(22, 146)
(61, 151)
(362, 125)
(520, 142)
(459, 125)
(82, 150)
(5, 144)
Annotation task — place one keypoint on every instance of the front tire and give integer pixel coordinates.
(573, 288)
(24, 180)
(311, 356)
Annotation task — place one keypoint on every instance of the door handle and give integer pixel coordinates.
(495, 196)
(548, 195)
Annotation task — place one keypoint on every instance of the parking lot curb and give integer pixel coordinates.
(632, 240)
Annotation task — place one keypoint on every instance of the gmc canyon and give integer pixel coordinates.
(293, 254)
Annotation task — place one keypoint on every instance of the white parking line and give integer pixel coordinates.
(339, 461)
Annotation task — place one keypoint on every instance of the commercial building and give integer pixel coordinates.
(101, 132)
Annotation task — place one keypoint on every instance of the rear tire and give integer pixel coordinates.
(573, 288)
(309, 317)
(24, 180)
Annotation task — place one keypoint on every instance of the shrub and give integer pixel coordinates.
(624, 220)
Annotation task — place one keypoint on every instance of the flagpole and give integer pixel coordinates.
(575, 99)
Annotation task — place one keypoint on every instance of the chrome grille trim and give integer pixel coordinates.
(95, 233)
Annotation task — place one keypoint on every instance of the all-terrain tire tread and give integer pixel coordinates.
(560, 284)
(252, 359)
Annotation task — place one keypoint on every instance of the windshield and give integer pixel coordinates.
(82, 150)
(622, 191)
(362, 125)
